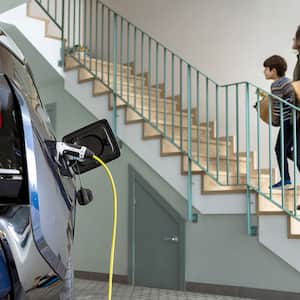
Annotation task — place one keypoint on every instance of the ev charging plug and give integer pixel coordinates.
(72, 152)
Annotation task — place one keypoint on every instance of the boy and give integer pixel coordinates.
(275, 68)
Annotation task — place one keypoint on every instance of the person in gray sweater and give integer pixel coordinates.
(296, 46)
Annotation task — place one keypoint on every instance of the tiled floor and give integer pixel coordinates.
(97, 290)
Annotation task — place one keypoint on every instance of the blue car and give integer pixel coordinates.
(37, 192)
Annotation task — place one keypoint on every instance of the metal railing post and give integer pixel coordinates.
(250, 229)
(61, 63)
(115, 61)
(189, 179)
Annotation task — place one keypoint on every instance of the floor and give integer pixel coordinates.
(97, 290)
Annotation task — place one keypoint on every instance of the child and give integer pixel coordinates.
(275, 68)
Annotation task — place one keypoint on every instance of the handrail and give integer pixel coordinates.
(115, 51)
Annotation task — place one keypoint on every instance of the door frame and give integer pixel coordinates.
(134, 176)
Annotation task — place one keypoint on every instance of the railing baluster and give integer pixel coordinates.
(173, 96)
(121, 58)
(102, 41)
(128, 61)
(55, 16)
(248, 174)
(165, 90)
(198, 116)
(156, 82)
(270, 145)
(69, 21)
(91, 40)
(282, 153)
(295, 154)
(108, 47)
(189, 148)
(134, 63)
(227, 136)
(142, 71)
(181, 102)
(237, 134)
(207, 122)
(217, 132)
(97, 24)
(84, 33)
(149, 78)
(79, 30)
(74, 23)
(115, 61)
(258, 141)
(63, 34)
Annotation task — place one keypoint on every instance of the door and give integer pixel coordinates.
(157, 235)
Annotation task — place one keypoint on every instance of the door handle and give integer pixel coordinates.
(173, 239)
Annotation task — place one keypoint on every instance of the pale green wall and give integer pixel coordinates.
(218, 249)
(9, 4)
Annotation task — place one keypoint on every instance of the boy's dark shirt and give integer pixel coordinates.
(282, 88)
(296, 75)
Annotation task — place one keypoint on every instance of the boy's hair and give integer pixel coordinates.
(278, 63)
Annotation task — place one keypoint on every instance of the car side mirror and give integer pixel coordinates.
(99, 138)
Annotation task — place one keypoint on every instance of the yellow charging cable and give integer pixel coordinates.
(113, 242)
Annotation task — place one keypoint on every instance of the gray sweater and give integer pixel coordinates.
(296, 75)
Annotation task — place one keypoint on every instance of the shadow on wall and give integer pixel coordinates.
(7, 5)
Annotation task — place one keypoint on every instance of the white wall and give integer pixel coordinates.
(228, 40)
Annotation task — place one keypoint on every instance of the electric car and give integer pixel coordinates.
(38, 194)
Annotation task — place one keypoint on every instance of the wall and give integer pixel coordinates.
(218, 250)
(226, 39)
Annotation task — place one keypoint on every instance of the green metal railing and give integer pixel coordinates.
(214, 126)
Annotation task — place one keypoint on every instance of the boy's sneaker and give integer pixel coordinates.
(287, 185)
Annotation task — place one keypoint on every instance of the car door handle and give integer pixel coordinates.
(173, 238)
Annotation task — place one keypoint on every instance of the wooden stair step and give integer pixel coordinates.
(84, 58)
(133, 116)
(265, 206)
(168, 148)
(211, 186)
(99, 88)
(125, 83)
(84, 75)
(132, 90)
(294, 227)
(150, 131)
(232, 164)
(137, 102)
(70, 63)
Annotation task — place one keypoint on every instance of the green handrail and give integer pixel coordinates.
(193, 97)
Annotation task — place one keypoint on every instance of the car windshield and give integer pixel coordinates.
(20, 74)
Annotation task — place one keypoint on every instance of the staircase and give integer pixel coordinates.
(172, 117)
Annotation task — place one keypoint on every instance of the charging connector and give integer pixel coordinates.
(72, 152)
